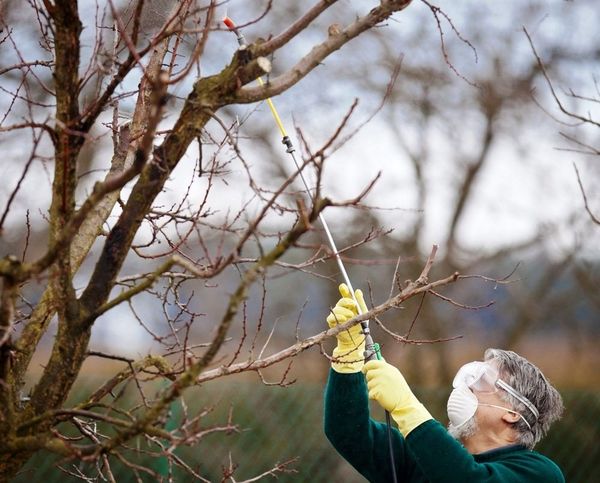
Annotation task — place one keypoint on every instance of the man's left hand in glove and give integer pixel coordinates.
(388, 387)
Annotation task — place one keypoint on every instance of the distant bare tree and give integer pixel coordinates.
(584, 117)
(464, 110)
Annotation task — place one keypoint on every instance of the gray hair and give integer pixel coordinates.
(529, 381)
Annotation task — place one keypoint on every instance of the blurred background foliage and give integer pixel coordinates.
(278, 425)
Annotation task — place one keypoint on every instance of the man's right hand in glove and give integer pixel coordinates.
(348, 356)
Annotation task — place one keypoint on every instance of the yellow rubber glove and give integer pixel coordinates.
(388, 387)
(348, 356)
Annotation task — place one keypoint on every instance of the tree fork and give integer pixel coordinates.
(89, 229)
(206, 97)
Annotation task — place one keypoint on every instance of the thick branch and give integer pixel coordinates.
(207, 96)
(110, 184)
(318, 53)
(8, 298)
(293, 30)
(87, 233)
(66, 40)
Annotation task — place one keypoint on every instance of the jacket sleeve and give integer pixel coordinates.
(443, 459)
(362, 441)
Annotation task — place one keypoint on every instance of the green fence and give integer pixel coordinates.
(279, 424)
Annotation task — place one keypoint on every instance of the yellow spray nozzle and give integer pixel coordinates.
(274, 111)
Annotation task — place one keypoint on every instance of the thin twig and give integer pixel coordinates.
(593, 217)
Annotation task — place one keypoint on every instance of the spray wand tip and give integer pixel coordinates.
(227, 21)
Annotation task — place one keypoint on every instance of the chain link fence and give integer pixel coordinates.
(277, 425)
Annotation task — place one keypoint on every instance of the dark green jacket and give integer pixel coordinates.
(428, 454)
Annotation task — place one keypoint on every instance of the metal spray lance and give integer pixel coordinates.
(372, 349)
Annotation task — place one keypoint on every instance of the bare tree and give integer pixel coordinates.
(572, 103)
(579, 113)
(462, 113)
(112, 186)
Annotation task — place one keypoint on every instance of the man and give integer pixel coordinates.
(498, 410)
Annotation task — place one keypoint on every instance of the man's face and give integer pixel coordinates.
(486, 418)
(490, 413)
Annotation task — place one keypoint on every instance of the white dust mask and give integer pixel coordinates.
(462, 405)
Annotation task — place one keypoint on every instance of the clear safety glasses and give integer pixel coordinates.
(484, 378)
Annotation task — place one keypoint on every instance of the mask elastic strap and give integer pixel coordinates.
(509, 410)
(519, 397)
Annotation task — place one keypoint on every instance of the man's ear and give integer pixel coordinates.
(511, 417)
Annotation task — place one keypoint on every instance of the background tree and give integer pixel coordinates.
(475, 158)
